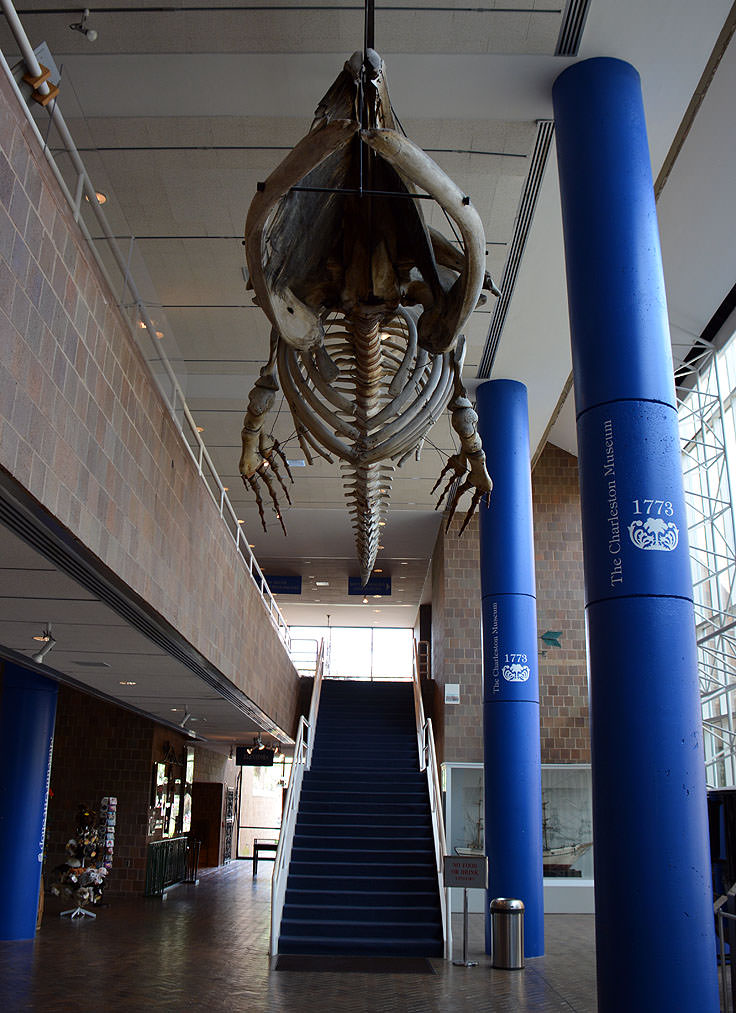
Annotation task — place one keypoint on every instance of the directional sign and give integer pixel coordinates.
(283, 584)
(375, 585)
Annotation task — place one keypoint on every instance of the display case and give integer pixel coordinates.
(567, 830)
(567, 821)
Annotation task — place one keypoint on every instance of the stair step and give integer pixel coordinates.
(326, 845)
(364, 899)
(355, 929)
(348, 806)
(401, 889)
(376, 793)
(357, 776)
(360, 831)
(395, 914)
(359, 818)
(372, 858)
(331, 875)
(425, 946)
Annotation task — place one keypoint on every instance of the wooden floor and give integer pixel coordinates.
(205, 948)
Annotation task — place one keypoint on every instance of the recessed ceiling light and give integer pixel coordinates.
(240, 522)
(376, 595)
(322, 583)
(43, 638)
(402, 563)
(377, 570)
(159, 334)
(174, 709)
(376, 610)
(226, 488)
(381, 546)
(127, 682)
(382, 524)
(365, 601)
(251, 545)
(200, 429)
(101, 197)
(141, 325)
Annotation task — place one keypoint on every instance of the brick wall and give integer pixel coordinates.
(101, 750)
(210, 765)
(456, 643)
(558, 550)
(85, 431)
(456, 618)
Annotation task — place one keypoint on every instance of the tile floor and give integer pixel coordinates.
(204, 948)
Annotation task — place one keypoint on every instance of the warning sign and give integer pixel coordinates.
(469, 872)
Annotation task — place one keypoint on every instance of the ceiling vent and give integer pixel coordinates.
(518, 242)
(571, 31)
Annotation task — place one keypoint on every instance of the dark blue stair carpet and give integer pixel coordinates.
(362, 879)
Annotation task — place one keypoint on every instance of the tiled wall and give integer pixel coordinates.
(212, 766)
(558, 550)
(84, 430)
(100, 750)
(456, 643)
(456, 619)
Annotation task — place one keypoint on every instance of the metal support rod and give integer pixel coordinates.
(465, 962)
(369, 36)
(357, 191)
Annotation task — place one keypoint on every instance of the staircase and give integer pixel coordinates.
(362, 878)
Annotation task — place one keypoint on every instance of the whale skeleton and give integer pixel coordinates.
(366, 305)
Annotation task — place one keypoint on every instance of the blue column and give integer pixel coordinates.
(27, 713)
(654, 919)
(513, 807)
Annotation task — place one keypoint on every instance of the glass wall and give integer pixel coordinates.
(353, 652)
(706, 389)
(261, 803)
(567, 820)
(567, 815)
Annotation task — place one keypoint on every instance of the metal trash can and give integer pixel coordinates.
(507, 933)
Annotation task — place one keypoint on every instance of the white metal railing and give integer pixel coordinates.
(304, 653)
(302, 761)
(169, 388)
(428, 762)
(286, 837)
(720, 913)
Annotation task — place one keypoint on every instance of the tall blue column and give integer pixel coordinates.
(654, 919)
(513, 806)
(27, 714)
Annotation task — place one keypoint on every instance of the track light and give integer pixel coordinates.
(48, 642)
(81, 27)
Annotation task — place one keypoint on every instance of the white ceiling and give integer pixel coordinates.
(179, 113)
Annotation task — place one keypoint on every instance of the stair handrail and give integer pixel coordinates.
(428, 762)
(302, 761)
(286, 836)
(316, 692)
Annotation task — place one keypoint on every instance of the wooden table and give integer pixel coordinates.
(263, 846)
